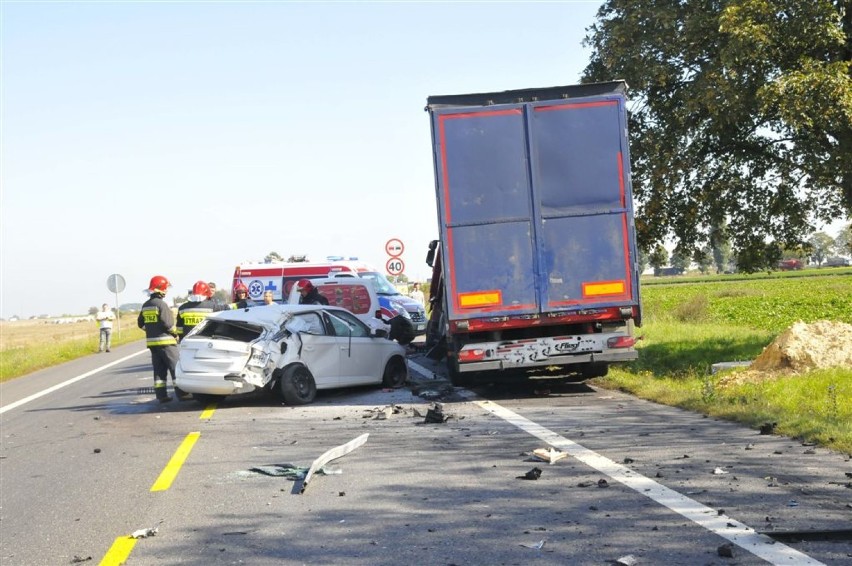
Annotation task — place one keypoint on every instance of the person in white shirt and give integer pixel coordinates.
(417, 294)
(105, 318)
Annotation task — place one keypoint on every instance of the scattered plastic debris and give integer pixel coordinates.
(768, 428)
(533, 474)
(603, 483)
(627, 560)
(534, 545)
(145, 533)
(726, 550)
(720, 471)
(332, 454)
(78, 559)
(549, 455)
(291, 471)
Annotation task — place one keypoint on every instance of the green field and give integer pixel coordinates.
(691, 324)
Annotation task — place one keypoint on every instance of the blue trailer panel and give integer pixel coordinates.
(534, 208)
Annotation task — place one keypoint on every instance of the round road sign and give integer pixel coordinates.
(395, 266)
(394, 247)
(115, 283)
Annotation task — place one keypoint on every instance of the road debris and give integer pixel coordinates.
(533, 474)
(720, 471)
(549, 455)
(627, 560)
(382, 413)
(726, 550)
(145, 533)
(332, 454)
(534, 545)
(436, 414)
(78, 559)
(292, 471)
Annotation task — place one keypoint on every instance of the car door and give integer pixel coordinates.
(320, 350)
(361, 358)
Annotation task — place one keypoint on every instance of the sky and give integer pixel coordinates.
(183, 138)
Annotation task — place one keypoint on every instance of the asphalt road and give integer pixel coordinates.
(85, 464)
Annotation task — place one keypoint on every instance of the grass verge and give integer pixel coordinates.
(30, 346)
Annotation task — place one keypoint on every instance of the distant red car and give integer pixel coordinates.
(789, 264)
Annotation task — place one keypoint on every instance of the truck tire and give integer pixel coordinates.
(594, 369)
(402, 330)
(457, 378)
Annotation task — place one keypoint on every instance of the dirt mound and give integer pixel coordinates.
(804, 347)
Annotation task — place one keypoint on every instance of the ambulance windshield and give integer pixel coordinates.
(383, 286)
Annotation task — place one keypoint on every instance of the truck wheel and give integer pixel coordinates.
(457, 378)
(401, 330)
(395, 373)
(594, 369)
(298, 386)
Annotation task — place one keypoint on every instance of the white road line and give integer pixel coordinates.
(58, 386)
(738, 533)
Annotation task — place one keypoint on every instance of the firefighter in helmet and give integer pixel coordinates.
(199, 306)
(158, 322)
(241, 300)
(308, 294)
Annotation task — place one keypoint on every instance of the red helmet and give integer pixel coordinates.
(202, 288)
(240, 287)
(158, 284)
(304, 285)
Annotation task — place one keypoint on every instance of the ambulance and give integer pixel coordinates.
(406, 316)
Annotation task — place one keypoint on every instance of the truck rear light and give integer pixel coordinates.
(472, 355)
(621, 342)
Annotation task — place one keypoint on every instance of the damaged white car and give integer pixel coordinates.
(296, 348)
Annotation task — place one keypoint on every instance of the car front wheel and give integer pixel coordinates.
(298, 386)
(395, 373)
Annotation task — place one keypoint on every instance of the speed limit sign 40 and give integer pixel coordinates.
(395, 266)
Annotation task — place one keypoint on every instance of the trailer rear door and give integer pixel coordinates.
(535, 206)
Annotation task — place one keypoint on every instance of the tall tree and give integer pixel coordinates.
(821, 245)
(741, 113)
(843, 241)
(659, 258)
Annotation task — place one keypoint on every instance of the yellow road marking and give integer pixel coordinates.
(169, 473)
(208, 412)
(119, 552)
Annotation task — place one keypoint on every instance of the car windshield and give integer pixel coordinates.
(227, 330)
(383, 286)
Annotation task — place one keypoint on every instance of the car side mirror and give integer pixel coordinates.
(378, 332)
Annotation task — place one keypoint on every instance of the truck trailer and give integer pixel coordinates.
(535, 273)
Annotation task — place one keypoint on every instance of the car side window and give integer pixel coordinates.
(345, 323)
(313, 324)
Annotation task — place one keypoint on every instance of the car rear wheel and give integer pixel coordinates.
(395, 373)
(298, 386)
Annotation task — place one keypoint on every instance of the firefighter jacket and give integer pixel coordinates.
(158, 322)
(192, 313)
